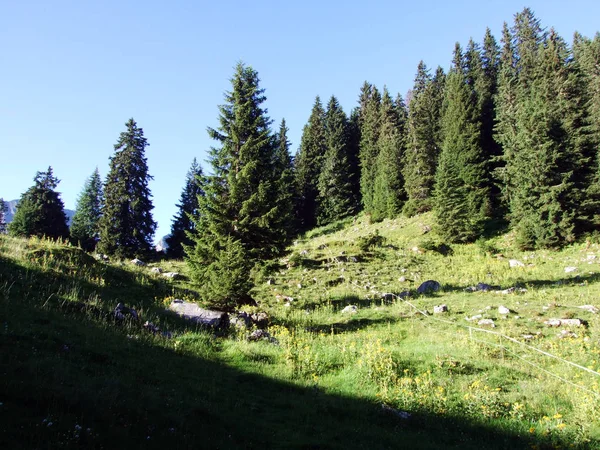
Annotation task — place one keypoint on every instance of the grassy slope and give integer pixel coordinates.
(64, 360)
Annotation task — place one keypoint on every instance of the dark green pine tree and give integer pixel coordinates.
(370, 124)
(422, 147)
(3, 212)
(40, 211)
(388, 189)
(85, 229)
(461, 195)
(336, 199)
(188, 207)
(126, 225)
(288, 195)
(308, 164)
(354, 155)
(241, 218)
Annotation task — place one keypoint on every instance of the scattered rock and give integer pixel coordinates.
(566, 334)
(591, 257)
(589, 308)
(471, 289)
(304, 252)
(527, 337)
(193, 312)
(484, 287)
(402, 279)
(121, 311)
(240, 320)
(426, 229)
(515, 263)
(172, 275)
(503, 310)
(156, 270)
(350, 309)
(570, 269)
(149, 326)
(395, 412)
(486, 323)
(258, 335)
(387, 296)
(417, 250)
(564, 323)
(440, 309)
(138, 262)
(475, 317)
(260, 319)
(101, 257)
(429, 286)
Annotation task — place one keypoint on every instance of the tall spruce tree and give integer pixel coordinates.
(188, 207)
(40, 211)
(370, 125)
(336, 199)
(287, 187)
(461, 196)
(423, 140)
(388, 188)
(126, 225)
(308, 164)
(3, 212)
(85, 229)
(240, 220)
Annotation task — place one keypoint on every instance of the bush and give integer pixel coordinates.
(434, 246)
(370, 241)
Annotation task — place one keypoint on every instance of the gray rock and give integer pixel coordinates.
(240, 320)
(171, 275)
(138, 262)
(156, 270)
(440, 309)
(121, 311)
(260, 319)
(475, 317)
(402, 279)
(570, 269)
(564, 323)
(206, 317)
(503, 310)
(589, 308)
(483, 287)
(350, 309)
(566, 334)
(515, 263)
(429, 286)
(486, 323)
(101, 257)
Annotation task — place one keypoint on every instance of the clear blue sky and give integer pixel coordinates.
(73, 72)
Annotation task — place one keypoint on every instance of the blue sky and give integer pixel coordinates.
(73, 72)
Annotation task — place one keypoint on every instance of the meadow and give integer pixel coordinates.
(356, 357)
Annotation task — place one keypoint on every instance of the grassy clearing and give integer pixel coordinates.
(103, 385)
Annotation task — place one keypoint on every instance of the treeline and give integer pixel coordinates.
(510, 133)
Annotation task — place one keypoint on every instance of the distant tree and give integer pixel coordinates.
(423, 140)
(461, 191)
(308, 165)
(188, 206)
(126, 226)
(3, 212)
(242, 219)
(85, 229)
(336, 199)
(288, 196)
(370, 126)
(388, 186)
(40, 211)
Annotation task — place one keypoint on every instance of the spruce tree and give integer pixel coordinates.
(461, 196)
(84, 227)
(354, 156)
(241, 218)
(40, 211)
(336, 199)
(288, 196)
(370, 124)
(188, 207)
(388, 189)
(308, 164)
(423, 135)
(126, 225)
(3, 212)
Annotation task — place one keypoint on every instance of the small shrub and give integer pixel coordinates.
(370, 241)
(434, 246)
(486, 248)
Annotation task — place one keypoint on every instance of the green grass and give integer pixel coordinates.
(105, 384)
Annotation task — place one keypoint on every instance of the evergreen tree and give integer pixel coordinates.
(308, 164)
(370, 124)
(241, 216)
(335, 187)
(40, 211)
(288, 195)
(188, 206)
(354, 155)
(3, 212)
(84, 228)
(126, 225)
(461, 195)
(423, 135)
(388, 189)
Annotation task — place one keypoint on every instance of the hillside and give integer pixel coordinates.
(354, 358)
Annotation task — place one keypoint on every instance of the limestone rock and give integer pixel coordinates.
(589, 308)
(156, 270)
(564, 323)
(570, 269)
(138, 262)
(350, 309)
(515, 263)
(206, 317)
(171, 275)
(121, 311)
(503, 310)
(486, 323)
(440, 309)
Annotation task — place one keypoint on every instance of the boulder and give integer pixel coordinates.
(440, 309)
(240, 319)
(350, 309)
(486, 323)
(205, 317)
(260, 319)
(138, 262)
(515, 263)
(589, 308)
(171, 275)
(564, 323)
(156, 270)
(503, 310)
(570, 269)
(429, 286)
(121, 311)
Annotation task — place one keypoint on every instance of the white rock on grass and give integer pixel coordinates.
(486, 323)
(589, 308)
(570, 269)
(503, 310)
(156, 270)
(350, 309)
(172, 275)
(515, 263)
(440, 309)
(138, 262)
